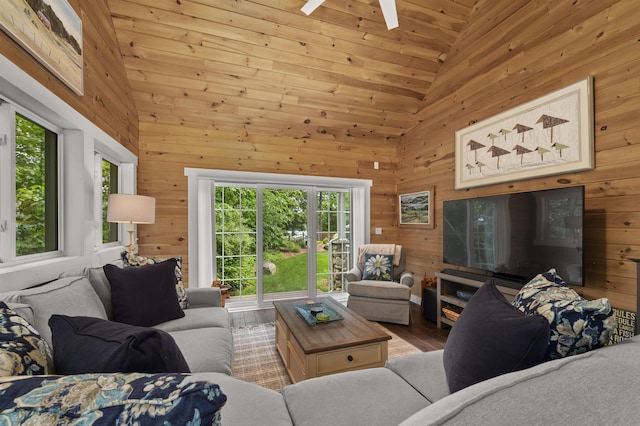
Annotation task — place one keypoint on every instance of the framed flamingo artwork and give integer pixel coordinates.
(550, 135)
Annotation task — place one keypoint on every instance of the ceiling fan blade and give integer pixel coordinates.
(389, 11)
(311, 6)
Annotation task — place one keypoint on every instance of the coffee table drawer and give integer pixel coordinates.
(350, 359)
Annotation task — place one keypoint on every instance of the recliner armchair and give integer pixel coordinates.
(377, 299)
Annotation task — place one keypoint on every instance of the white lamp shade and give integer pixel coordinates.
(130, 208)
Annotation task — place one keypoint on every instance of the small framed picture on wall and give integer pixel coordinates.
(416, 208)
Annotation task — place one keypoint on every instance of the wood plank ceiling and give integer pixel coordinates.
(262, 66)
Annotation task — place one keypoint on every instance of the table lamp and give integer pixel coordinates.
(130, 208)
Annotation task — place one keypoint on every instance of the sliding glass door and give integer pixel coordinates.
(333, 247)
(236, 236)
(265, 236)
(285, 253)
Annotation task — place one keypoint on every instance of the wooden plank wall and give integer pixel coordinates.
(512, 52)
(166, 149)
(509, 53)
(107, 99)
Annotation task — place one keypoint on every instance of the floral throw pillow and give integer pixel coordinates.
(577, 325)
(135, 260)
(378, 267)
(110, 399)
(22, 350)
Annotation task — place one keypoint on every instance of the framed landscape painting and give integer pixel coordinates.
(416, 208)
(51, 32)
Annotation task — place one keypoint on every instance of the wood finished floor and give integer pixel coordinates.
(421, 333)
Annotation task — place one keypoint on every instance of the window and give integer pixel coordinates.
(51, 199)
(30, 206)
(235, 236)
(107, 182)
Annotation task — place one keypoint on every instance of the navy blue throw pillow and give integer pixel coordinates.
(93, 345)
(144, 295)
(491, 337)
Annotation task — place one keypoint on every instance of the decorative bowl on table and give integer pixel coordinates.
(315, 310)
(323, 316)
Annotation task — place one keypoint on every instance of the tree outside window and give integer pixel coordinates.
(36, 188)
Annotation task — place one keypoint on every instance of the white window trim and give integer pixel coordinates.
(9, 109)
(126, 180)
(200, 208)
(82, 139)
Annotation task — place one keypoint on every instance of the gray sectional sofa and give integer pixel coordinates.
(598, 387)
(203, 334)
(595, 388)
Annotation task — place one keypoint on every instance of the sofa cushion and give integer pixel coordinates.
(206, 349)
(22, 350)
(129, 259)
(144, 295)
(379, 290)
(577, 325)
(72, 296)
(374, 396)
(109, 399)
(197, 318)
(92, 345)
(248, 403)
(491, 338)
(378, 267)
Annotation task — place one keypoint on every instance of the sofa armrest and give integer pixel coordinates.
(354, 274)
(204, 297)
(406, 278)
(424, 371)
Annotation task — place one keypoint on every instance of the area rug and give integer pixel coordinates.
(256, 358)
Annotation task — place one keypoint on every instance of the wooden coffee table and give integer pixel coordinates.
(352, 343)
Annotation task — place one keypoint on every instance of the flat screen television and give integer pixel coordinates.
(517, 236)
